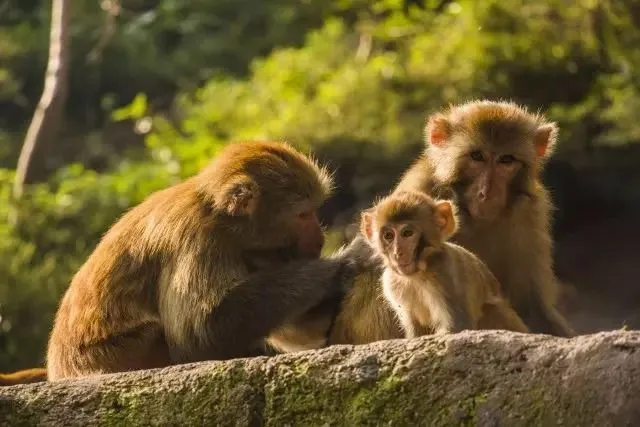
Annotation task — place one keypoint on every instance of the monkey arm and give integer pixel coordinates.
(360, 252)
(409, 325)
(258, 305)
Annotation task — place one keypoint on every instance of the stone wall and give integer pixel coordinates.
(472, 378)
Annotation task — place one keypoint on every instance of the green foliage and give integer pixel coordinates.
(345, 98)
(47, 235)
(153, 46)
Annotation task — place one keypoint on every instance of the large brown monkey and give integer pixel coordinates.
(178, 278)
(488, 157)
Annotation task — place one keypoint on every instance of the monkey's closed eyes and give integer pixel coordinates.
(306, 215)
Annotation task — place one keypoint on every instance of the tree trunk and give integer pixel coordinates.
(46, 119)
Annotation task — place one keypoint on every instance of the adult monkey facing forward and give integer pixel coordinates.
(488, 156)
(177, 279)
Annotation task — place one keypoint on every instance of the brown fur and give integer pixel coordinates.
(433, 285)
(27, 376)
(365, 316)
(505, 209)
(360, 316)
(181, 278)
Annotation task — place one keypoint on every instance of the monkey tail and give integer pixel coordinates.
(26, 376)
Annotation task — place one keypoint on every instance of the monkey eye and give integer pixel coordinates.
(407, 232)
(387, 235)
(305, 215)
(506, 159)
(476, 156)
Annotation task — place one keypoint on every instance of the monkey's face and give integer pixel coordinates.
(406, 228)
(295, 227)
(489, 176)
(401, 245)
(488, 153)
(309, 238)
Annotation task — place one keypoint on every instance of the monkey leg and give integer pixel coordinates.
(559, 323)
(500, 315)
(141, 348)
(549, 321)
(544, 318)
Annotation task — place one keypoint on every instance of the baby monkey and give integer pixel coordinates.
(433, 285)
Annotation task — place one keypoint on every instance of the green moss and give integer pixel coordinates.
(300, 395)
(371, 404)
(462, 412)
(231, 393)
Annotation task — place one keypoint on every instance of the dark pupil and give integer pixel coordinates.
(477, 156)
(388, 235)
(407, 232)
(507, 158)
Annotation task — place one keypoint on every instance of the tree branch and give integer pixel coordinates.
(46, 119)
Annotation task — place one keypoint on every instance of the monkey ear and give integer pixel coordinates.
(446, 218)
(366, 225)
(438, 129)
(545, 139)
(239, 197)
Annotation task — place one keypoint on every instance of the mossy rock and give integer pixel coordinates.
(471, 378)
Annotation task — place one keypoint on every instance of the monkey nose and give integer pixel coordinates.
(482, 196)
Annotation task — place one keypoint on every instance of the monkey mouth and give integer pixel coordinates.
(406, 269)
(484, 212)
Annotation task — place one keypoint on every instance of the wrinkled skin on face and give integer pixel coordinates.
(489, 175)
(488, 154)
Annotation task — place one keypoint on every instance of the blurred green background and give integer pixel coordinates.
(158, 89)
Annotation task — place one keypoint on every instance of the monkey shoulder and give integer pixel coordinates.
(457, 253)
(477, 271)
(419, 177)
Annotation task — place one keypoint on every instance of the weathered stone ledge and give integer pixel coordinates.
(476, 378)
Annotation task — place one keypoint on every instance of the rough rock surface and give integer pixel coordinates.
(472, 378)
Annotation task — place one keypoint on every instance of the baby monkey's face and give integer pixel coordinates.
(407, 228)
(403, 244)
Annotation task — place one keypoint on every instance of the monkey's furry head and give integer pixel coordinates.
(499, 125)
(272, 171)
(437, 218)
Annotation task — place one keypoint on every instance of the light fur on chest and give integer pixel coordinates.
(420, 297)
